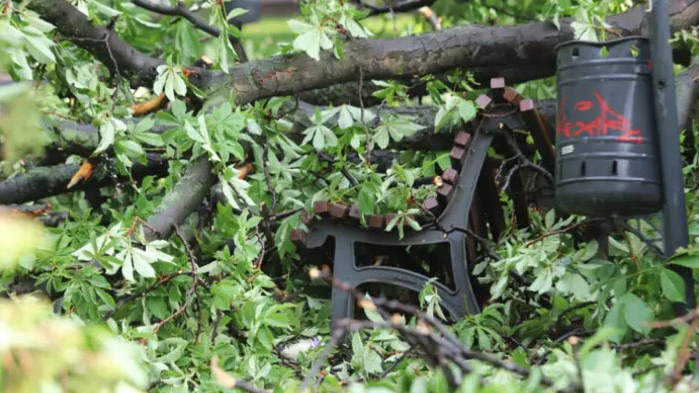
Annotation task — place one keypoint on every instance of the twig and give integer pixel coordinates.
(181, 10)
(120, 302)
(288, 362)
(192, 288)
(577, 331)
(335, 338)
(214, 330)
(285, 214)
(683, 354)
(523, 162)
(690, 316)
(636, 344)
(326, 157)
(563, 230)
(367, 152)
(394, 364)
(268, 178)
(646, 370)
(655, 249)
(483, 241)
(105, 41)
(447, 338)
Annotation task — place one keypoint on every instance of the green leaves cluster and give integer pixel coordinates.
(327, 21)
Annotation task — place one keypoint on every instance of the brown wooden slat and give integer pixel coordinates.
(457, 155)
(376, 221)
(354, 212)
(450, 176)
(512, 96)
(483, 101)
(497, 88)
(321, 207)
(338, 210)
(462, 139)
(298, 236)
(444, 193)
(306, 217)
(431, 204)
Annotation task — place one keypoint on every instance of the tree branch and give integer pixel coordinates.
(98, 40)
(185, 197)
(69, 137)
(490, 48)
(42, 182)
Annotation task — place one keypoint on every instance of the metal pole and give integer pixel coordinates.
(675, 233)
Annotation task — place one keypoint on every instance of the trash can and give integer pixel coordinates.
(253, 14)
(607, 159)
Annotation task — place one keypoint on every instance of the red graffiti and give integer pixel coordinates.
(584, 105)
(608, 120)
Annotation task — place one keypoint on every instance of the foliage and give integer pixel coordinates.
(134, 314)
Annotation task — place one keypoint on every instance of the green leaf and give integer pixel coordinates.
(467, 110)
(127, 267)
(483, 340)
(615, 320)
(637, 313)
(311, 39)
(40, 48)
(9, 34)
(382, 137)
(372, 362)
(180, 86)
(131, 148)
(107, 132)
(690, 261)
(160, 82)
(550, 218)
(672, 285)
(141, 264)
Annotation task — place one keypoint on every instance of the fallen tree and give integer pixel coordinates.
(227, 296)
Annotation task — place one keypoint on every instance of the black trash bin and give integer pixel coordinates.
(253, 14)
(606, 140)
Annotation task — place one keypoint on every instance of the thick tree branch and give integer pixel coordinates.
(101, 41)
(69, 137)
(491, 49)
(486, 49)
(42, 182)
(183, 199)
(180, 9)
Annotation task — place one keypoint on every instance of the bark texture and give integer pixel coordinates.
(43, 182)
(183, 199)
(517, 51)
(101, 41)
(491, 50)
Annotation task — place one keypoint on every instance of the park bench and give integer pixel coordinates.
(447, 216)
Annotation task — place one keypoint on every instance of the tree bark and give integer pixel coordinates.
(182, 200)
(489, 50)
(43, 182)
(101, 41)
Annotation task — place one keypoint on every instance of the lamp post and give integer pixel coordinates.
(675, 233)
